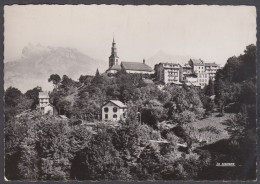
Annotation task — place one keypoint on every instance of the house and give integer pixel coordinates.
(168, 72)
(129, 67)
(197, 65)
(113, 110)
(44, 104)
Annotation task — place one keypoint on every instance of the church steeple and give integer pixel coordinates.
(113, 59)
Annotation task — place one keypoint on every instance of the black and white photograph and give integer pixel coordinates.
(130, 93)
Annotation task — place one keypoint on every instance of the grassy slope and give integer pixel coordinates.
(208, 130)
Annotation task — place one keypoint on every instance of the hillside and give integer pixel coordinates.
(38, 63)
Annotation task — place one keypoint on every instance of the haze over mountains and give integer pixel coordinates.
(38, 63)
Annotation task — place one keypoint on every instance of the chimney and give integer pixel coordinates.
(143, 61)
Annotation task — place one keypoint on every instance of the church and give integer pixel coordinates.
(129, 67)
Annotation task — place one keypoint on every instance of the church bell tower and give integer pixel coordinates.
(113, 59)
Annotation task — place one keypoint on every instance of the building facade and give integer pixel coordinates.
(203, 79)
(169, 73)
(44, 103)
(197, 65)
(113, 110)
(211, 70)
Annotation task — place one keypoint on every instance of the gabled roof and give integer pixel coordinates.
(117, 103)
(197, 61)
(136, 66)
(44, 94)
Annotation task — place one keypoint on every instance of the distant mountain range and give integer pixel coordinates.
(38, 63)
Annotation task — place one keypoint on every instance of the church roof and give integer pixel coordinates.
(115, 67)
(136, 66)
(44, 94)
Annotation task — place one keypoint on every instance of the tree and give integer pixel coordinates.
(34, 95)
(209, 89)
(55, 79)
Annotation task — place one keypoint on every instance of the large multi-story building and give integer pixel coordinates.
(203, 79)
(129, 67)
(211, 69)
(185, 70)
(197, 65)
(168, 73)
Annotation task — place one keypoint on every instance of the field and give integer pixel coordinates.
(208, 130)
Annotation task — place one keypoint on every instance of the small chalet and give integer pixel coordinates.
(113, 110)
(44, 103)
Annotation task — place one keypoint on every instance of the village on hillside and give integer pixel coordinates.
(81, 104)
(159, 122)
(195, 73)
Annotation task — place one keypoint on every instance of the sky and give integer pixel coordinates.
(212, 33)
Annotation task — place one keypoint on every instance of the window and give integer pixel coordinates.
(114, 116)
(106, 116)
(106, 109)
(115, 109)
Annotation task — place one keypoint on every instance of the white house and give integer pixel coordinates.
(44, 103)
(113, 110)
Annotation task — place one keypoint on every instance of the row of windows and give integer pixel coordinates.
(114, 109)
(174, 73)
(203, 76)
(203, 80)
(114, 116)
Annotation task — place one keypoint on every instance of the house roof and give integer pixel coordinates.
(44, 94)
(197, 61)
(115, 67)
(117, 103)
(170, 65)
(186, 65)
(211, 64)
(136, 66)
(148, 81)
